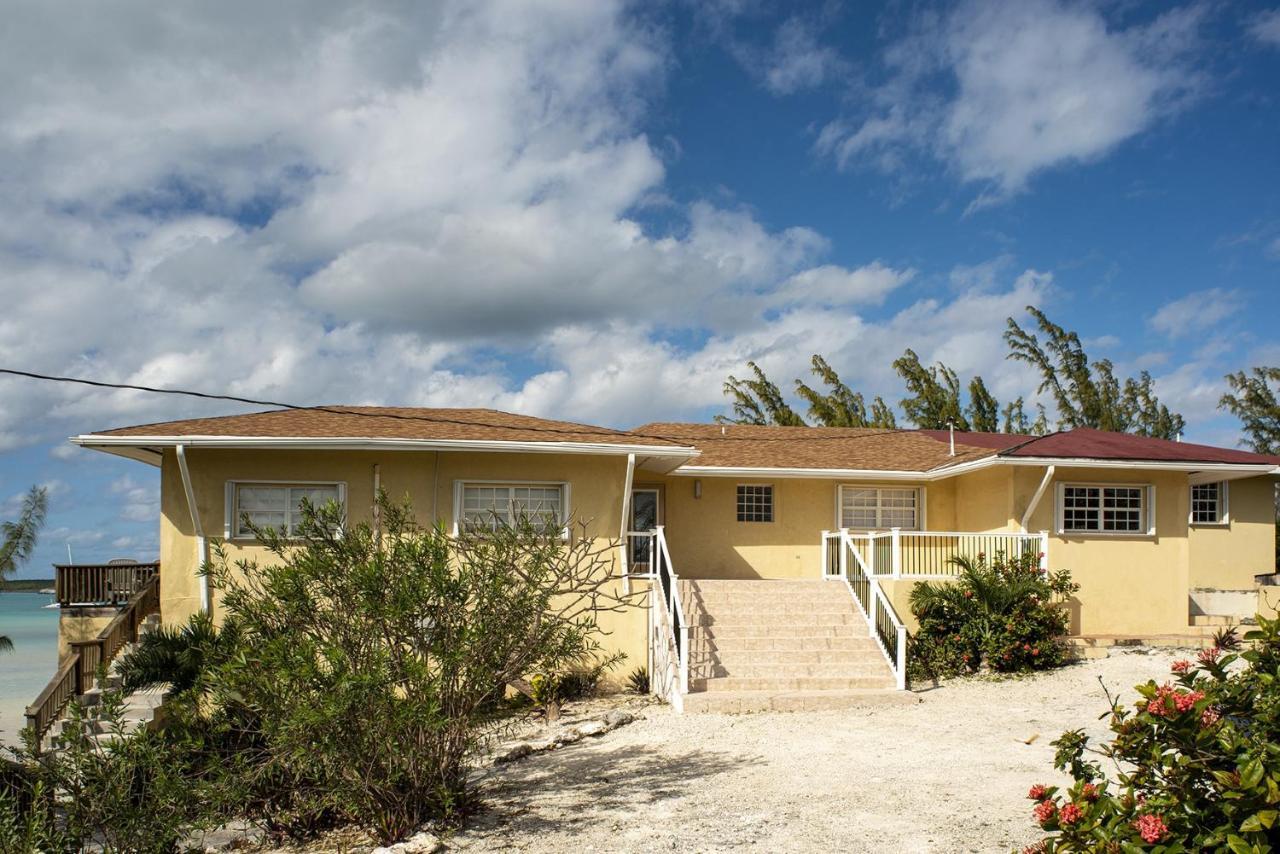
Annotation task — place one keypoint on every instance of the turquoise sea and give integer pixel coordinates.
(33, 629)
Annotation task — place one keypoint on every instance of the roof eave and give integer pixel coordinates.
(114, 444)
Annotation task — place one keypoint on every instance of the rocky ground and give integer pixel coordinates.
(948, 774)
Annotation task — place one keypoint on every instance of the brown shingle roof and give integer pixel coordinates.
(391, 422)
(741, 446)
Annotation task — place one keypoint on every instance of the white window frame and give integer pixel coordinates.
(921, 504)
(1224, 505)
(1148, 510)
(773, 504)
(231, 511)
(566, 496)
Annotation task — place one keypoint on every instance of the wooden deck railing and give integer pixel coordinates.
(77, 672)
(100, 584)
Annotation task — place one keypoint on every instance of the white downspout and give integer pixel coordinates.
(202, 546)
(626, 519)
(1035, 499)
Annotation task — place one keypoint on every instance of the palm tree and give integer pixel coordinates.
(181, 657)
(18, 539)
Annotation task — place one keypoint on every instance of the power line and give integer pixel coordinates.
(579, 429)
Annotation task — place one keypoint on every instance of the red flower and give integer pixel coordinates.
(1035, 650)
(1044, 812)
(1151, 828)
(1089, 792)
(1038, 792)
(968, 594)
(1026, 647)
(1209, 717)
(1070, 814)
(1041, 555)
(1209, 656)
(1181, 666)
(1182, 701)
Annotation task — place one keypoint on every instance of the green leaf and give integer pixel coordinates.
(1251, 774)
(1238, 845)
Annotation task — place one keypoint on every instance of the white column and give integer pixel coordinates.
(897, 552)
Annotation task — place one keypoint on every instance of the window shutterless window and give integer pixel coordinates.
(488, 506)
(277, 505)
(755, 503)
(1209, 503)
(871, 508)
(1104, 509)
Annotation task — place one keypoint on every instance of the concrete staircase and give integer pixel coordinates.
(781, 646)
(139, 709)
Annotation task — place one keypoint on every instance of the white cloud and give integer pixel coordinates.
(1196, 312)
(1000, 92)
(1266, 27)
(798, 61)
(832, 285)
(136, 502)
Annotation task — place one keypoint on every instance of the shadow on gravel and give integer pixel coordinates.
(559, 790)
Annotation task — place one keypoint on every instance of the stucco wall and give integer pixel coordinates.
(707, 540)
(427, 478)
(1227, 557)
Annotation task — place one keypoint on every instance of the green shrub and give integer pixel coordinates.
(184, 657)
(108, 788)
(374, 663)
(1197, 762)
(1002, 615)
(638, 681)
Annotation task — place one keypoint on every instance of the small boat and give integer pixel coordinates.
(49, 591)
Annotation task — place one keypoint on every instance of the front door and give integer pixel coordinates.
(646, 514)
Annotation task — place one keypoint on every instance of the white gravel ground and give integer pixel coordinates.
(948, 774)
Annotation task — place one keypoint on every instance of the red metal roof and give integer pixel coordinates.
(1088, 443)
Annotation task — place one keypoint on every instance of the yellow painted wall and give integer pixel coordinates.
(707, 540)
(427, 478)
(1228, 557)
(1134, 585)
(81, 624)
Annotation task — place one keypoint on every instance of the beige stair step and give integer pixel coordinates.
(743, 670)
(746, 702)
(840, 630)
(852, 642)
(808, 683)
(836, 657)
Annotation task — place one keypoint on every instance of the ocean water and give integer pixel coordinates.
(33, 629)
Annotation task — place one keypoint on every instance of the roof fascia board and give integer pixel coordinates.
(360, 444)
(1157, 465)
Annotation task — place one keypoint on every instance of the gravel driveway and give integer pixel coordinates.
(948, 774)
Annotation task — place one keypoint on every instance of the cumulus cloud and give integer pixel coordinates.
(399, 203)
(1266, 27)
(798, 61)
(1196, 312)
(999, 92)
(135, 501)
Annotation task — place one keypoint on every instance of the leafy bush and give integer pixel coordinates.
(638, 680)
(1197, 762)
(108, 788)
(1002, 614)
(372, 662)
(183, 658)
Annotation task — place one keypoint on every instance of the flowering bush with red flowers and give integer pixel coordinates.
(999, 614)
(1193, 766)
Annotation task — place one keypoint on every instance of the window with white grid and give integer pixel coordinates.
(1104, 509)
(1208, 503)
(755, 503)
(870, 508)
(488, 506)
(278, 506)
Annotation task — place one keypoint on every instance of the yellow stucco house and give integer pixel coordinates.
(778, 560)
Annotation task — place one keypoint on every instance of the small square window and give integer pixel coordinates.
(755, 503)
(1208, 506)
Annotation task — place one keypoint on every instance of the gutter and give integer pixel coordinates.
(202, 545)
(91, 440)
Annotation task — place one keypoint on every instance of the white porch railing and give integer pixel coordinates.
(649, 557)
(927, 554)
(842, 560)
(862, 560)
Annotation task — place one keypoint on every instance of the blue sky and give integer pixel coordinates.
(598, 210)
